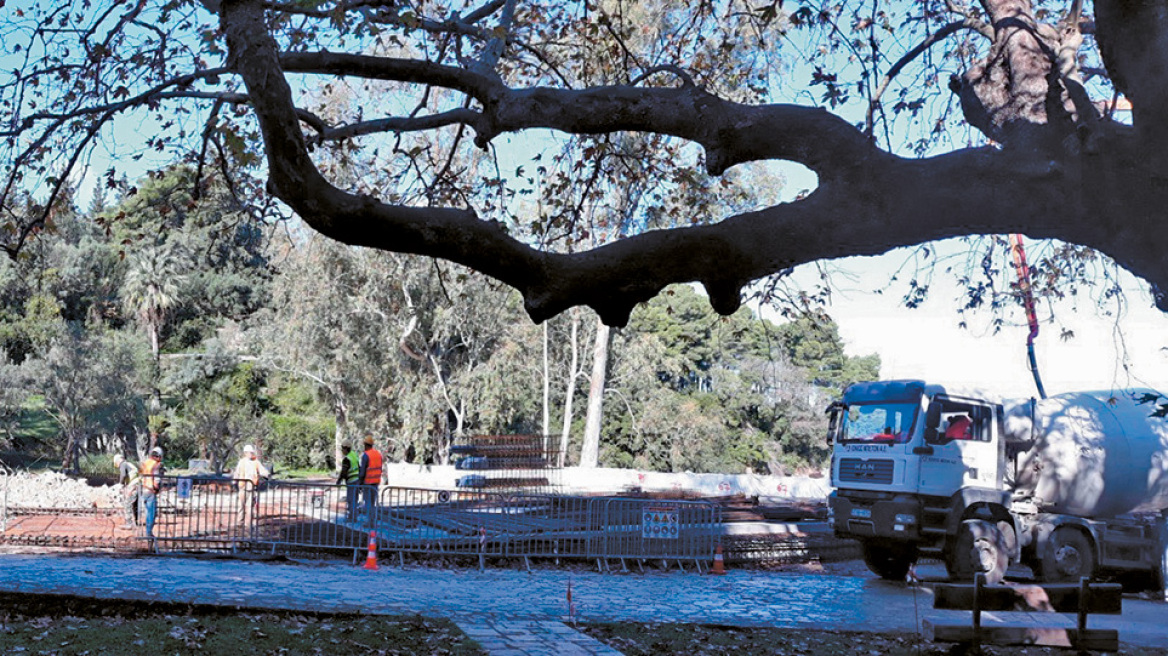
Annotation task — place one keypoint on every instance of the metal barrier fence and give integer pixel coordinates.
(5, 474)
(210, 512)
(642, 529)
(217, 513)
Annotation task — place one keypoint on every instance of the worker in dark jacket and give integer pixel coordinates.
(350, 476)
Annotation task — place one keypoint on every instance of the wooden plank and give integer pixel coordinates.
(1092, 639)
(1104, 598)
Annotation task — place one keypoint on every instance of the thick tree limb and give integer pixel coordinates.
(730, 132)
(868, 201)
(396, 124)
(1133, 38)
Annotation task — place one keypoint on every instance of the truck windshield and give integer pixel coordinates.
(882, 423)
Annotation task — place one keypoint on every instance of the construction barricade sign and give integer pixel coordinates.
(660, 523)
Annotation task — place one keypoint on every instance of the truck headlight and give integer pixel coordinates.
(905, 518)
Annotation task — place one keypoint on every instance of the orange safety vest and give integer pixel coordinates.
(148, 470)
(373, 470)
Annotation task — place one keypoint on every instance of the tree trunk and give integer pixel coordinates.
(68, 460)
(547, 392)
(457, 409)
(341, 415)
(152, 329)
(570, 394)
(590, 452)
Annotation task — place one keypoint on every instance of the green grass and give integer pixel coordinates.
(251, 633)
(305, 473)
(633, 639)
(35, 422)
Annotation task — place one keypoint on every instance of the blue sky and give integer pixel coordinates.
(1127, 349)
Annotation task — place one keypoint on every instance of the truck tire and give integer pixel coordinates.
(979, 546)
(889, 563)
(1069, 556)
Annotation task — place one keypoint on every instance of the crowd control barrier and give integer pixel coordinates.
(217, 513)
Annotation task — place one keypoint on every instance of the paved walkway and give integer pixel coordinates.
(516, 613)
(532, 638)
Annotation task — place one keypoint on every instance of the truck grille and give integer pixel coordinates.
(857, 470)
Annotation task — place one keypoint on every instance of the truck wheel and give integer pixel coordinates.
(889, 563)
(979, 547)
(1069, 556)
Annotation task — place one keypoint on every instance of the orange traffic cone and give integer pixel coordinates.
(719, 567)
(371, 559)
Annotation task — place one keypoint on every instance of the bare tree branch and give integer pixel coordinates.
(908, 57)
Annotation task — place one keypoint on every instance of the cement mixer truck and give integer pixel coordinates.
(1073, 486)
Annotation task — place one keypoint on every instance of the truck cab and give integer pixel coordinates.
(911, 464)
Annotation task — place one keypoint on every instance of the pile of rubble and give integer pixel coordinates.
(56, 490)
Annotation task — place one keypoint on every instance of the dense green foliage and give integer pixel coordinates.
(172, 319)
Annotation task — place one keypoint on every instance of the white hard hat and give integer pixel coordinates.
(248, 448)
(118, 458)
(156, 451)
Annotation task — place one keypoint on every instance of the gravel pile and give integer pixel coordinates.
(56, 490)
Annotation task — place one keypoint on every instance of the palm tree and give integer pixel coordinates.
(149, 291)
(151, 288)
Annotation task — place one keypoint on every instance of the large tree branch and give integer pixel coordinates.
(731, 133)
(867, 202)
(1133, 39)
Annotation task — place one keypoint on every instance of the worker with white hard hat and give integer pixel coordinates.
(131, 488)
(248, 474)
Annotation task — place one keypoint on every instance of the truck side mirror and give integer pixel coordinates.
(834, 411)
(932, 420)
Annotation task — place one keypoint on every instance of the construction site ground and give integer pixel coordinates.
(783, 573)
(512, 611)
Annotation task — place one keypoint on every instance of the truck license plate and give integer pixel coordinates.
(861, 512)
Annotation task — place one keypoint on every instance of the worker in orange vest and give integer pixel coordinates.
(151, 473)
(370, 476)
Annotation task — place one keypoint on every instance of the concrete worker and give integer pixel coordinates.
(247, 475)
(151, 472)
(131, 484)
(350, 476)
(370, 476)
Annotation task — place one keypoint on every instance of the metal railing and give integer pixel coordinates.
(646, 529)
(211, 512)
(216, 513)
(6, 474)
